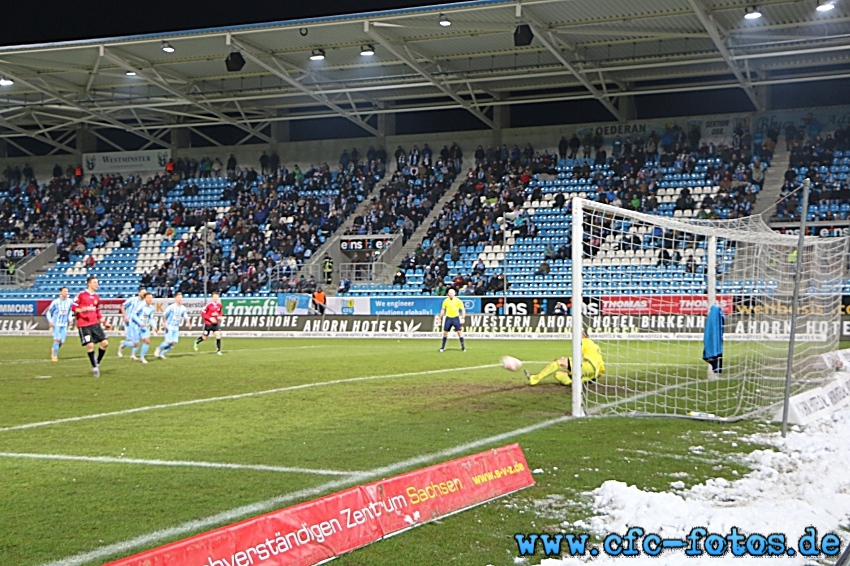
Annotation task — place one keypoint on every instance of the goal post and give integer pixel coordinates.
(643, 291)
(577, 234)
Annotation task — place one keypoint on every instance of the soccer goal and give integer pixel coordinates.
(646, 284)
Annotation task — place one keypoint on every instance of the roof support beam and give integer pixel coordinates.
(44, 139)
(413, 64)
(143, 70)
(22, 148)
(158, 133)
(271, 64)
(206, 137)
(549, 41)
(64, 138)
(98, 135)
(70, 103)
(710, 26)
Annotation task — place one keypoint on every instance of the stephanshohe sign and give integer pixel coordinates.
(613, 326)
(613, 317)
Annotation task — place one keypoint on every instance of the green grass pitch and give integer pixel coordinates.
(140, 471)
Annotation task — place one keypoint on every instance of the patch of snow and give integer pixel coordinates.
(803, 482)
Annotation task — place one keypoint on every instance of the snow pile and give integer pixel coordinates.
(805, 483)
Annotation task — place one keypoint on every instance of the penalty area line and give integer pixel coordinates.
(236, 513)
(237, 396)
(174, 355)
(175, 463)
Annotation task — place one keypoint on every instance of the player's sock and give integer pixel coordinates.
(126, 344)
(145, 347)
(550, 369)
(165, 347)
(55, 349)
(91, 358)
(462, 344)
(563, 377)
(101, 352)
(443, 347)
(134, 350)
(199, 340)
(218, 344)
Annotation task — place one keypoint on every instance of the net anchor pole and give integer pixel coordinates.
(505, 275)
(577, 304)
(798, 274)
(711, 276)
(711, 252)
(206, 298)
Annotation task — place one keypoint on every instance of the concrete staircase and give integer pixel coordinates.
(417, 236)
(773, 180)
(313, 266)
(749, 257)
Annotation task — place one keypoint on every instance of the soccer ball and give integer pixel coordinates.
(510, 363)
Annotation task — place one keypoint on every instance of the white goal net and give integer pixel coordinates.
(647, 282)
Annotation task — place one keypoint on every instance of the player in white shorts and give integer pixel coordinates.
(58, 317)
(173, 317)
(143, 319)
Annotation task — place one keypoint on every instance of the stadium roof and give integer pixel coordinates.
(598, 49)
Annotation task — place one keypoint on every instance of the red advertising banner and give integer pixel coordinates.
(318, 530)
(41, 306)
(424, 495)
(107, 306)
(663, 304)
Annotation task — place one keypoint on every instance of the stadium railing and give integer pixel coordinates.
(28, 266)
(364, 271)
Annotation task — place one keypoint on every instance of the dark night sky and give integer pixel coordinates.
(40, 21)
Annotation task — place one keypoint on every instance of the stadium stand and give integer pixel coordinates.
(266, 225)
(826, 162)
(126, 231)
(507, 227)
(408, 196)
(514, 234)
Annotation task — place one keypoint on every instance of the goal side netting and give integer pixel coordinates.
(646, 285)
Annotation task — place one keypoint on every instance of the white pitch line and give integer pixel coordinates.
(607, 363)
(175, 463)
(236, 396)
(174, 355)
(261, 506)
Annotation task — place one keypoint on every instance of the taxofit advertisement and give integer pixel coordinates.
(319, 530)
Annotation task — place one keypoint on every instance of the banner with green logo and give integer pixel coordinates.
(250, 307)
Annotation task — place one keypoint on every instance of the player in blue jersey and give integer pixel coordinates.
(173, 316)
(131, 338)
(58, 316)
(142, 318)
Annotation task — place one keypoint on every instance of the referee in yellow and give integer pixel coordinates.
(592, 365)
(452, 315)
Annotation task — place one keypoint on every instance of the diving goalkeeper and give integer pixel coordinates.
(592, 365)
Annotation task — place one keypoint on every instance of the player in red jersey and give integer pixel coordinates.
(212, 322)
(90, 323)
